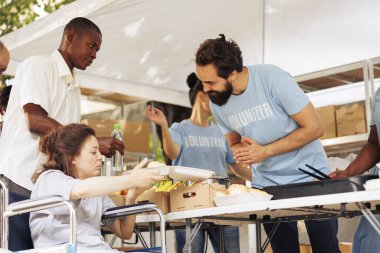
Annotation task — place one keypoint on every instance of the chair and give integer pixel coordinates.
(36, 204)
(31, 205)
(136, 209)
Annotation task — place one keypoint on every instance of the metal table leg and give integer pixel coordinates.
(367, 213)
(191, 233)
(188, 234)
(221, 239)
(152, 234)
(258, 237)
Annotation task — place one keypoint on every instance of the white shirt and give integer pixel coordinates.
(46, 81)
(51, 227)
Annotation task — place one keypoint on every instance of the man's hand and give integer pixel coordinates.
(109, 145)
(156, 116)
(250, 153)
(340, 174)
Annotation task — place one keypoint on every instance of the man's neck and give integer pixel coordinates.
(241, 82)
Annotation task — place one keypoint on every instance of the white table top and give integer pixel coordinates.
(268, 207)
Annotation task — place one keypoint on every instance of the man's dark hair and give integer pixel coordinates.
(224, 54)
(195, 86)
(81, 24)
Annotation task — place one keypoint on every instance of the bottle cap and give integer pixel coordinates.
(116, 126)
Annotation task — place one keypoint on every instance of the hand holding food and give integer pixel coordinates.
(144, 178)
(154, 164)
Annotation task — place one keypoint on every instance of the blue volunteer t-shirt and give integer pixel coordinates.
(262, 113)
(201, 147)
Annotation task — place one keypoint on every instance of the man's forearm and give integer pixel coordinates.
(296, 140)
(41, 124)
(368, 157)
(242, 171)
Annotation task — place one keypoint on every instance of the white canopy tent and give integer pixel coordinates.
(148, 46)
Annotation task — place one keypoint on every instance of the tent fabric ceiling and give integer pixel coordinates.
(148, 46)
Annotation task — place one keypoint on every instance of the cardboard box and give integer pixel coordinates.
(351, 119)
(161, 199)
(136, 134)
(327, 114)
(199, 195)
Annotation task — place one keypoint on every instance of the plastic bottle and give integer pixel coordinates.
(117, 161)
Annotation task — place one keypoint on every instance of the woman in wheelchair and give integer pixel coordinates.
(72, 170)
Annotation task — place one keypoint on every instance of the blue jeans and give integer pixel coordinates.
(231, 236)
(19, 231)
(366, 239)
(322, 235)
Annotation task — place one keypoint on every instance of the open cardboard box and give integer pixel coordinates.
(351, 119)
(136, 134)
(197, 196)
(161, 199)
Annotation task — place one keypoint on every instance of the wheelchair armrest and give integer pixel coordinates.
(36, 203)
(129, 210)
(135, 209)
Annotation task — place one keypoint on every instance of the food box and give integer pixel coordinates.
(199, 195)
(351, 119)
(161, 199)
(135, 134)
(327, 114)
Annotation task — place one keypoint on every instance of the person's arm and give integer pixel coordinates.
(310, 128)
(40, 123)
(172, 149)
(234, 141)
(38, 120)
(368, 156)
(98, 186)
(109, 145)
(123, 227)
(241, 171)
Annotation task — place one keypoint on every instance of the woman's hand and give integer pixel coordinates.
(156, 116)
(143, 179)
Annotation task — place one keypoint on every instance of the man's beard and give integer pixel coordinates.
(220, 97)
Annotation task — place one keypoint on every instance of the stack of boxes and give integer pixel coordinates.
(343, 120)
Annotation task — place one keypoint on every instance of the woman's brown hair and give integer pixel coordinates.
(61, 146)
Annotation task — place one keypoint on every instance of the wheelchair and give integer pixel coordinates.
(36, 204)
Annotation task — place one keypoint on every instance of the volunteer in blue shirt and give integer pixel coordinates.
(366, 238)
(270, 124)
(198, 143)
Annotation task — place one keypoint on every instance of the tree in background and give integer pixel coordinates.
(15, 14)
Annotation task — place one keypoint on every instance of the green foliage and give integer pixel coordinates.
(15, 14)
(156, 149)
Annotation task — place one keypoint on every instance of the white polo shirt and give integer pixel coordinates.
(46, 81)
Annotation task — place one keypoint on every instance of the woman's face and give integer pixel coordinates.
(88, 162)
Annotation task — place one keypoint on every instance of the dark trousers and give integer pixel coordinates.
(322, 235)
(19, 231)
